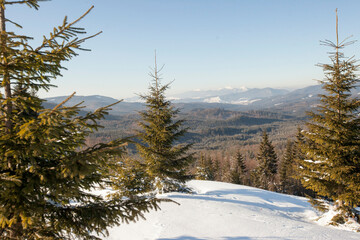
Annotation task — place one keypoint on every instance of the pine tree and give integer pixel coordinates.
(239, 170)
(47, 172)
(166, 162)
(267, 169)
(332, 144)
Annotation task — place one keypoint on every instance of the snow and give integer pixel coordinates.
(213, 100)
(244, 101)
(231, 212)
(228, 87)
(173, 98)
(240, 101)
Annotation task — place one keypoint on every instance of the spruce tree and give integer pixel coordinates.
(332, 143)
(204, 169)
(283, 169)
(299, 157)
(290, 166)
(226, 173)
(217, 169)
(267, 159)
(47, 173)
(239, 170)
(166, 162)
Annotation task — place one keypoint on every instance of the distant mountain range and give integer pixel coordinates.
(236, 99)
(241, 96)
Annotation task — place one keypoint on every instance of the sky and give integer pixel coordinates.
(203, 44)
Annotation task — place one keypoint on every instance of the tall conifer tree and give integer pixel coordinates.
(332, 143)
(267, 169)
(239, 170)
(204, 168)
(286, 167)
(299, 157)
(289, 169)
(46, 171)
(166, 162)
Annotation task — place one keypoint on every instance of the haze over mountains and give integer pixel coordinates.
(228, 95)
(236, 99)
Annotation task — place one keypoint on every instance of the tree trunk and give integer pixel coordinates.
(5, 80)
(16, 231)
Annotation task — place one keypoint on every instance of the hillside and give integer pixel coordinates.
(277, 100)
(231, 212)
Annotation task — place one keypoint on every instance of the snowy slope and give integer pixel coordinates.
(231, 212)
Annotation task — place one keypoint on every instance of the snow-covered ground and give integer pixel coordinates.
(231, 212)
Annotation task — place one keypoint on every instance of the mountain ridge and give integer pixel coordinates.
(302, 99)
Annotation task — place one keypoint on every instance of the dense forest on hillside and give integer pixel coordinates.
(215, 132)
(68, 171)
(213, 129)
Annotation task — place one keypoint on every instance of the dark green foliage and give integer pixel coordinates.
(254, 178)
(318, 204)
(217, 169)
(166, 163)
(203, 129)
(267, 169)
(239, 170)
(130, 177)
(287, 168)
(332, 143)
(338, 219)
(225, 171)
(295, 186)
(205, 169)
(45, 169)
(47, 173)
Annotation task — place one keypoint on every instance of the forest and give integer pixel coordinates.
(53, 159)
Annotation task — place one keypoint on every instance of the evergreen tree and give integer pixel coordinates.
(166, 162)
(226, 170)
(298, 151)
(254, 178)
(299, 157)
(205, 169)
(286, 171)
(332, 143)
(46, 171)
(267, 169)
(239, 170)
(217, 169)
(130, 178)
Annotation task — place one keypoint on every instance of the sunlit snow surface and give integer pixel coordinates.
(231, 212)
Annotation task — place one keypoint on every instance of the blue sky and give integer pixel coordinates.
(204, 44)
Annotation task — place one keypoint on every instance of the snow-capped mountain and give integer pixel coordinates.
(242, 96)
(237, 99)
(197, 94)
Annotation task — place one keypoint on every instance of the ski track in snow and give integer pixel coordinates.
(223, 211)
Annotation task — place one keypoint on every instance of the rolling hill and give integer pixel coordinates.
(223, 211)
